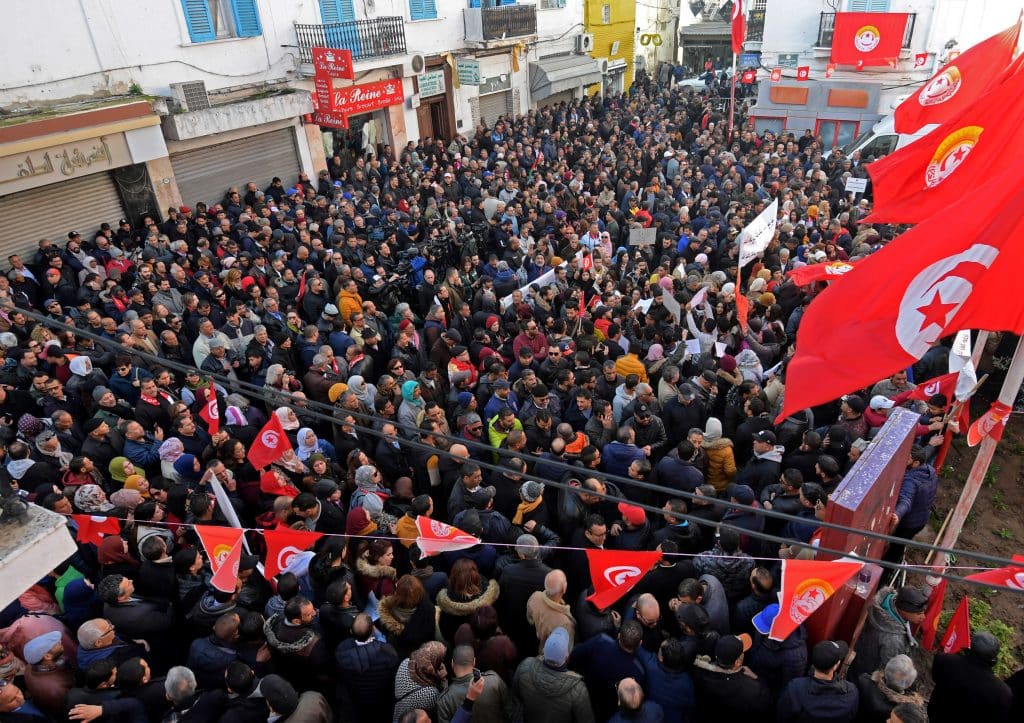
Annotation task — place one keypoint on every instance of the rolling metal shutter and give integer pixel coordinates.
(564, 96)
(206, 174)
(81, 204)
(494, 105)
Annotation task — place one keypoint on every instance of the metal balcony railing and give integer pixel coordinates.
(827, 24)
(500, 23)
(365, 38)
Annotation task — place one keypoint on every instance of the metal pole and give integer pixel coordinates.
(732, 98)
(1007, 395)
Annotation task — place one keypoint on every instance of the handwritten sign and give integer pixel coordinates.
(333, 63)
(670, 303)
(355, 99)
(643, 236)
(856, 185)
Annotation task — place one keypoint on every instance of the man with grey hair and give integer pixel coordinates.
(882, 690)
(315, 381)
(546, 609)
(519, 580)
(186, 703)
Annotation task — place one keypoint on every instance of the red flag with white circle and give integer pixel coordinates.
(211, 415)
(282, 545)
(93, 528)
(436, 537)
(269, 444)
(613, 573)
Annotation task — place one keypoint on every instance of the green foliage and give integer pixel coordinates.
(992, 474)
(998, 502)
(982, 620)
(134, 89)
(1005, 533)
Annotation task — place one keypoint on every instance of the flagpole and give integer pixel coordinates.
(732, 98)
(987, 447)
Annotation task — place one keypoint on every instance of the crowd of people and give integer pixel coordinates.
(461, 331)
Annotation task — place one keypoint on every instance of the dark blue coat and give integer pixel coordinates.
(673, 691)
(812, 700)
(917, 493)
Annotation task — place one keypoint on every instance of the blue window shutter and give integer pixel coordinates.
(337, 11)
(247, 18)
(868, 6)
(198, 20)
(422, 9)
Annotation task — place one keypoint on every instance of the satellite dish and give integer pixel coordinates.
(696, 7)
(725, 12)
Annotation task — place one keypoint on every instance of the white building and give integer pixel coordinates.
(799, 33)
(127, 108)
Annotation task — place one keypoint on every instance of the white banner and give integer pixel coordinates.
(759, 233)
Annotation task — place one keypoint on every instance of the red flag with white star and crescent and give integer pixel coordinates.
(932, 281)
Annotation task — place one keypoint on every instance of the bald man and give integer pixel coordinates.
(647, 611)
(546, 609)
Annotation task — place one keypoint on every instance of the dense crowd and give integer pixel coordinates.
(461, 331)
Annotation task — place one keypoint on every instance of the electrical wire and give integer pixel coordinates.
(332, 418)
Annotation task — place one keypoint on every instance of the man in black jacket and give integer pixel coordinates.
(519, 581)
(965, 686)
(823, 695)
(366, 670)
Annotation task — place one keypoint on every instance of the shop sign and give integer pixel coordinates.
(431, 83)
(329, 119)
(333, 63)
(323, 90)
(58, 163)
(496, 84)
(355, 99)
(789, 60)
(468, 70)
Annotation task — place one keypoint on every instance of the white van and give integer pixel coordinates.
(882, 139)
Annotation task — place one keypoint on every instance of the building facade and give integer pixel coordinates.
(171, 102)
(612, 24)
(798, 33)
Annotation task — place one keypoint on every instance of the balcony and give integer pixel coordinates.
(366, 39)
(827, 24)
(495, 24)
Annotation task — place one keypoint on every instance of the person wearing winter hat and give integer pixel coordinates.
(49, 676)
(721, 461)
(537, 675)
(531, 507)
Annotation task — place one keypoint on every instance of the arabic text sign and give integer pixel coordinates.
(333, 63)
(431, 83)
(355, 99)
(58, 163)
(468, 71)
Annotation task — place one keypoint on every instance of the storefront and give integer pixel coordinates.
(206, 173)
(436, 112)
(562, 77)
(362, 117)
(75, 172)
(495, 99)
(615, 76)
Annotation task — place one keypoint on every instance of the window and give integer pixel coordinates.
(775, 125)
(422, 10)
(606, 14)
(551, 4)
(835, 133)
(867, 6)
(337, 11)
(214, 19)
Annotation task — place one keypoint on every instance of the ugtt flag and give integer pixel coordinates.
(932, 281)
(958, 83)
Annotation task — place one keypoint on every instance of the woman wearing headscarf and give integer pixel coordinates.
(291, 466)
(137, 483)
(289, 422)
(92, 500)
(120, 469)
(653, 362)
(127, 500)
(170, 451)
(84, 377)
(410, 414)
(420, 679)
(48, 446)
(365, 392)
(274, 484)
(309, 444)
(188, 469)
(114, 557)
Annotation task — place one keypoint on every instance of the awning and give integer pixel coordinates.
(705, 30)
(563, 72)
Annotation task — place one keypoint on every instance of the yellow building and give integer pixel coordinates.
(613, 24)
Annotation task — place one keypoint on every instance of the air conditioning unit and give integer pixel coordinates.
(585, 43)
(415, 65)
(603, 62)
(190, 96)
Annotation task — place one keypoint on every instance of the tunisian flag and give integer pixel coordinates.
(739, 26)
(990, 424)
(932, 281)
(93, 528)
(1011, 576)
(868, 38)
(436, 537)
(958, 83)
(269, 444)
(282, 544)
(224, 548)
(211, 415)
(613, 573)
(930, 624)
(924, 178)
(807, 275)
(806, 585)
(958, 633)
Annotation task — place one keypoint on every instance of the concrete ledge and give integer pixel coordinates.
(28, 551)
(234, 116)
